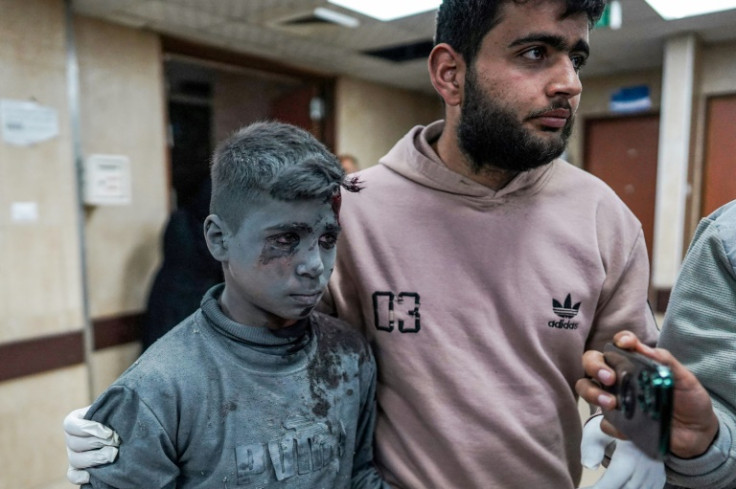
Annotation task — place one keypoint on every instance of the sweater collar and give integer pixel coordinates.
(286, 340)
(413, 157)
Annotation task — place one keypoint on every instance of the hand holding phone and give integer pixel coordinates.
(644, 390)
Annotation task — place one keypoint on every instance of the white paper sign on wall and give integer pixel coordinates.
(25, 123)
(107, 180)
(24, 212)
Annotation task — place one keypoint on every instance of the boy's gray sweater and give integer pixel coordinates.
(218, 404)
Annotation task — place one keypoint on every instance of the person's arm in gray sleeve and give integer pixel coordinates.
(147, 455)
(700, 331)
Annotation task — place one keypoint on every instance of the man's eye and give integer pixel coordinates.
(578, 61)
(328, 241)
(534, 53)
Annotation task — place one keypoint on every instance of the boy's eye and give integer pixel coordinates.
(328, 241)
(285, 240)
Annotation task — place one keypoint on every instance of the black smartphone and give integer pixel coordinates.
(644, 390)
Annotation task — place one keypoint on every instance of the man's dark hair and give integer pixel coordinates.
(275, 159)
(464, 23)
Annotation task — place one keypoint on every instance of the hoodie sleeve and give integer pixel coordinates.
(623, 299)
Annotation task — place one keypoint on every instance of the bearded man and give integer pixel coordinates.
(481, 266)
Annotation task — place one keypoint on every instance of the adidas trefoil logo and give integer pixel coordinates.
(565, 311)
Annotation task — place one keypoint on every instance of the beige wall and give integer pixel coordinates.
(122, 112)
(32, 453)
(40, 285)
(372, 117)
(40, 291)
(122, 106)
(718, 69)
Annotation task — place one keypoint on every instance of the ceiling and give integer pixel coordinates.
(287, 31)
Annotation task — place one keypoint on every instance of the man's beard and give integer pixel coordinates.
(493, 138)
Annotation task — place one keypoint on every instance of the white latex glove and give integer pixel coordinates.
(88, 443)
(629, 467)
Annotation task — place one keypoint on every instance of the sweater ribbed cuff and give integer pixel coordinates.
(713, 458)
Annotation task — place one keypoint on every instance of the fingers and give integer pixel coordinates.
(595, 366)
(82, 434)
(85, 443)
(600, 374)
(626, 339)
(76, 476)
(592, 393)
(629, 341)
(609, 429)
(92, 458)
(71, 421)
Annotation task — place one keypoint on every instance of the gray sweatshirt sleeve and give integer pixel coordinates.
(700, 330)
(365, 475)
(147, 455)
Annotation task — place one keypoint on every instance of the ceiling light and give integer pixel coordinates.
(388, 9)
(336, 17)
(678, 9)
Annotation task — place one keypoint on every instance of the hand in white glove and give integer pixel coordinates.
(88, 443)
(629, 467)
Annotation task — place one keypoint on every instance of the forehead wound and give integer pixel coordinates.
(336, 204)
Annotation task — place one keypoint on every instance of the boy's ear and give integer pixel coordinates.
(217, 234)
(447, 72)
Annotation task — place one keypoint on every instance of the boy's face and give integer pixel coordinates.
(279, 262)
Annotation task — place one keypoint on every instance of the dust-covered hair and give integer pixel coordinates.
(464, 23)
(275, 159)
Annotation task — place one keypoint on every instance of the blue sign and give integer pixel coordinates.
(631, 99)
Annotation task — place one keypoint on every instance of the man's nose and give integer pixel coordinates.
(565, 80)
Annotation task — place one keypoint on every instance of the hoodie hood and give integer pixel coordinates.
(414, 158)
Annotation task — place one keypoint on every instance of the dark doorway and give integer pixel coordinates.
(191, 146)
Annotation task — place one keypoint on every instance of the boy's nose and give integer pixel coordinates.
(311, 264)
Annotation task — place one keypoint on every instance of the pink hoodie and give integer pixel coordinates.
(479, 305)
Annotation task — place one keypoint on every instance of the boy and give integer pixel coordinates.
(255, 389)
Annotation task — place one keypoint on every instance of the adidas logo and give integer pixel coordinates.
(567, 310)
(564, 311)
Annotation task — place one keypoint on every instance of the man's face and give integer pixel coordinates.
(279, 262)
(523, 89)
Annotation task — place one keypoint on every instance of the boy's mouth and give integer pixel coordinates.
(307, 299)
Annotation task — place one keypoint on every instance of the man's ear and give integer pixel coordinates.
(447, 72)
(217, 234)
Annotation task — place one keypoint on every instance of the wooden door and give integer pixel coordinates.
(719, 170)
(622, 151)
